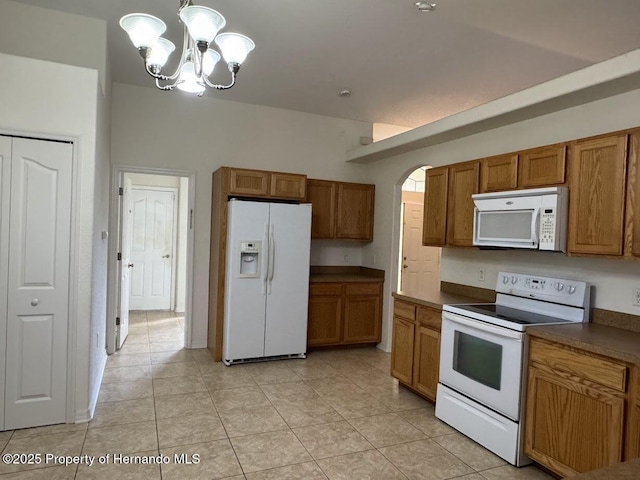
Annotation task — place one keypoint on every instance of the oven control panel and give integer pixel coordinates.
(562, 291)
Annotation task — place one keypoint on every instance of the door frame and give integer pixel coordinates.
(115, 225)
(174, 234)
(74, 258)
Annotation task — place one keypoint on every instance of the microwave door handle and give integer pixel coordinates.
(535, 226)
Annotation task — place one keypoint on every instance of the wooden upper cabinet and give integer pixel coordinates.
(259, 183)
(322, 194)
(633, 196)
(597, 170)
(288, 185)
(355, 211)
(434, 224)
(499, 173)
(542, 167)
(463, 182)
(248, 182)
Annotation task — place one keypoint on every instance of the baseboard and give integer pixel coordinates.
(87, 415)
(198, 345)
(83, 416)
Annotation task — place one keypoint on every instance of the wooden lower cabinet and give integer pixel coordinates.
(426, 361)
(402, 350)
(575, 410)
(415, 347)
(344, 313)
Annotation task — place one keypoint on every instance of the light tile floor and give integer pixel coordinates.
(335, 415)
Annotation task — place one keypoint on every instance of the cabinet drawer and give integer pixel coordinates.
(584, 366)
(325, 289)
(362, 288)
(429, 317)
(404, 310)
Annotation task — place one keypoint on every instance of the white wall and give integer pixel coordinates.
(151, 128)
(613, 279)
(34, 32)
(69, 107)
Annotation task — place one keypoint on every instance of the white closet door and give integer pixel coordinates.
(38, 284)
(5, 185)
(151, 249)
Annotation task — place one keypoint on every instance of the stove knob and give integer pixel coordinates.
(559, 286)
(505, 279)
(514, 280)
(571, 289)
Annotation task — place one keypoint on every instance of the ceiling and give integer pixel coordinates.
(404, 67)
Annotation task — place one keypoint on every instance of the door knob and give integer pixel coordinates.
(165, 256)
(35, 302)
(130, 265)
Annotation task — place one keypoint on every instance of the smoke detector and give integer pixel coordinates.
(425, 6)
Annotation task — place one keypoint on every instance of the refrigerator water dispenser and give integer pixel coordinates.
(249, 260)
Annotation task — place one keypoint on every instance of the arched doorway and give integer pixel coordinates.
(419, 266)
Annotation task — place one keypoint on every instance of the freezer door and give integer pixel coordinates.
(287, 300)
(245, 297)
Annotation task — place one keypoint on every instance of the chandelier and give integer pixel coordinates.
(197, 60)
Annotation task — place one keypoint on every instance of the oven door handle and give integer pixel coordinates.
(485, 327)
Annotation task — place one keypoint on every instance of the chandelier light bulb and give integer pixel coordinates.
(203, 23)
(160, 53)
(144, 30)
(235, 47)
(188, 80)
(209, 60)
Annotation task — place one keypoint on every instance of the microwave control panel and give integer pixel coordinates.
(547, 228)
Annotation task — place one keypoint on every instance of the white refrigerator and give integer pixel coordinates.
(267, 280)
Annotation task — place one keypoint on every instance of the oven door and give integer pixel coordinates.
(483, 362)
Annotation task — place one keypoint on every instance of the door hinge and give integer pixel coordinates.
(191, 219)
(120, 191)
(119, 256)
(117, 321)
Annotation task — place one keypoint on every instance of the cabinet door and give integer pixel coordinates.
(362, 316)
(355, 211)
(572, 426)
(426, 361)
(288, 185)
(249, 182)
(322, 196)
(633, 194)
(434, 224)
(463, 182)
(542, 167)
(632, 445)
(402, 350)
(325, 315)
(597, 188)
(499, 173)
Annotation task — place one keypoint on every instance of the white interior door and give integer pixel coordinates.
(5, 186)
(126, 214)
(151, 249)
(38, 283)
(420, 265)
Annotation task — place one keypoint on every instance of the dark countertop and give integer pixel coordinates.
(434, 299)
(623, 345)
(629, 470)
(342, 278)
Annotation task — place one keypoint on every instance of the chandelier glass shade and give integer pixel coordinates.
(197, 61)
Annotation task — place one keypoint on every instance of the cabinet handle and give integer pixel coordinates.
(35, 302)
(130, 265)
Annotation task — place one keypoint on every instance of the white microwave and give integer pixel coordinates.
(535, 219)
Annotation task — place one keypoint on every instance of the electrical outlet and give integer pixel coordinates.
(635, 301)
(481, 274)
(346, 257)
(374, 259)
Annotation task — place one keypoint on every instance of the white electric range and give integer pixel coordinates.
(483, 353)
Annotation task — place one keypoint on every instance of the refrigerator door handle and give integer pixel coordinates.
(265, 260)
(272, 257)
